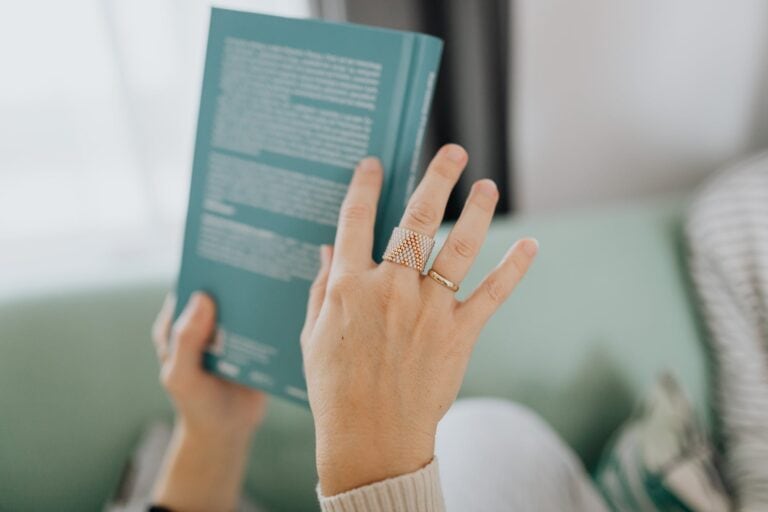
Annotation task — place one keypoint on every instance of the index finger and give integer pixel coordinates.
(426, 208)
(354, 235)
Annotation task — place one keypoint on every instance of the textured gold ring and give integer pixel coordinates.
(442, 280)
(409, 248)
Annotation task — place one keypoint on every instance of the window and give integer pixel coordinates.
(98, 105)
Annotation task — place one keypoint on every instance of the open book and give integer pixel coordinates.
(288, 108)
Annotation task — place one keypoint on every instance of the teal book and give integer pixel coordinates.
(288, 108)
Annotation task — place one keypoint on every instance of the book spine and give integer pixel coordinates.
(415, 113)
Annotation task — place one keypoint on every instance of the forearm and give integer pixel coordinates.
(202, 472)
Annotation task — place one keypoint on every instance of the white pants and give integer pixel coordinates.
(497, 456)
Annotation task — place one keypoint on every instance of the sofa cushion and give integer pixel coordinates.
(604, 309)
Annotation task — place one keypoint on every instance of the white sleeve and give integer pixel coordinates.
(727, 263)
(413, 492)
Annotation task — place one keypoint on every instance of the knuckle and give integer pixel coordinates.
(484, 203)
(342, 286)
(334, 294)
(445, 170)
(494, 291)
(422, 214)
(320, 282)
(355, 212)
(463, 247)
(518, 269)
(319, 285)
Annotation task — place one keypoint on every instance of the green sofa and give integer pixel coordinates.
(606, 307)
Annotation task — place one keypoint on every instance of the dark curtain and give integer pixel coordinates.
(471, 105)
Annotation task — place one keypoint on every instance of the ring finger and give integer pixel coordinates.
(464, 241)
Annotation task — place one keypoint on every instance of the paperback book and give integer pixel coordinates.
(288, 108)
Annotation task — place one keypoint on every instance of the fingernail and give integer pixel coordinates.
(455, 153)
(368, 164)
(487, 188)
(530, 247)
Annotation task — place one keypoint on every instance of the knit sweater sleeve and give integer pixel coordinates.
(729, 265)
(413, 492)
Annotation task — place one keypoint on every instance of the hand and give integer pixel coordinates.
(385, 349)
(215, 418)
(205, 403)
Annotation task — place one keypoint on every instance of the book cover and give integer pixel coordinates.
(288, 108)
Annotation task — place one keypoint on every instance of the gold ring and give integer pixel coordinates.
(409, 248)
(443, 281)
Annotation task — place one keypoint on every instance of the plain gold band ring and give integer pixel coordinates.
(442, 280)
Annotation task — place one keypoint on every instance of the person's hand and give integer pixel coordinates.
(385, 348)
(204, 403)
(215, 419)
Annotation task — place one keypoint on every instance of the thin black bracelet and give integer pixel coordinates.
(157, 508)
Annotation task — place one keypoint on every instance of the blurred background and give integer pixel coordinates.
(598, 119)
(564, 103)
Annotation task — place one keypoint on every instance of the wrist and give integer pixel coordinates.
(222, 437)
(351, 458)
(202, 470)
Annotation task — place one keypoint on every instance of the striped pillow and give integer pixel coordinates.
(660, 460)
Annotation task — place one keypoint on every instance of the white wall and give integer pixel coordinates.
(616, 99)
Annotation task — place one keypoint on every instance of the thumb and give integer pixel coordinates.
(191, 334)
(317, 291)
